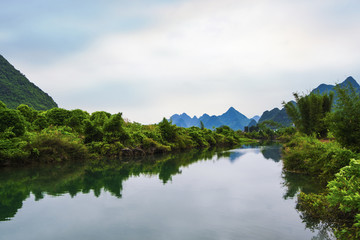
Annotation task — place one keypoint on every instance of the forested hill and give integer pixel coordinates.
(16, 89)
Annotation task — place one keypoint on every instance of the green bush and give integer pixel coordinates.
(56, 145)
(339, 206)
(57, 116)
(310, 155)
(11, 119)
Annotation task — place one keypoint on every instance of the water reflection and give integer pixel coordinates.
(16, 185)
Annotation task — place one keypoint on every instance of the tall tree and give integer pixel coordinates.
(309, 112)
(345, 120)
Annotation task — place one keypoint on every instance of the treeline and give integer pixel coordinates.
(269, 130)
(56, 135)
(327, 146)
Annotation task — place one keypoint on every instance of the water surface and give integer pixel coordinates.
(237, 194)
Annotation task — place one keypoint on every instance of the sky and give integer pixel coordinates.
(150, 59)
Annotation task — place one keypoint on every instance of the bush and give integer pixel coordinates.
(310, 155)
(57, 116)
(11, 119)
(339, 207)
(56, 145)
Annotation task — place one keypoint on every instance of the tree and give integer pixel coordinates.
(99, 118)
(57, 116)
(168, 130)
(2, 105)
(202, 126)
(76, 119)
(345, 120)
(27, 112)
(11, 119)
(309, 112)
(92, 132)
(113, 129)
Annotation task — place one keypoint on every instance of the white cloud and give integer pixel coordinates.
(205, 56)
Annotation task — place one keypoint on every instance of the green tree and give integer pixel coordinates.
(40, 123)
(202, 126)
(345, 120)
(2, 105)
(168, 130)
(113, 129)
(75, 121)
(99, 118)
(309, 112)
(57, 116)
(27, 112)
(92, 132)
(11, 119)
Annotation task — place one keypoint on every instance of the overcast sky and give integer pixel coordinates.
(153, 58)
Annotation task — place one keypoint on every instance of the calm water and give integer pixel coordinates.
(237, 194)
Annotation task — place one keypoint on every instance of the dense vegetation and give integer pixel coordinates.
(334, 161)
(16, 89)
(56, 135)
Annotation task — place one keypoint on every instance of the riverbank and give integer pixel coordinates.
(337, 205)
(59, 135)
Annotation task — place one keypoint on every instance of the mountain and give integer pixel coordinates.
(232, 118)
(324, 88)
(16, 89)
(256, 118)
(276, 115)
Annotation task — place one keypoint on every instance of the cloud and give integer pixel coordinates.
(203, 56)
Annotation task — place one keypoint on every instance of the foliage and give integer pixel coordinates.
(92, 132)
(309, 112)
(339, 207)
(168, 130)
(310, 155)
(345, 120)
(12, 120)
(99, 118)
(56, 145)
(113, 129)
(76, 118)
(58, 135)
(57, 116)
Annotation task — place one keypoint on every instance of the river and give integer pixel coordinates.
(235, 194)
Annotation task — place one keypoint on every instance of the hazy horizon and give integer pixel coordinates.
(152, 59)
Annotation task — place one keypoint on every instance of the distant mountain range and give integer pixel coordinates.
(237, 121)
(16, 89)
(232, 118)
(323, 88)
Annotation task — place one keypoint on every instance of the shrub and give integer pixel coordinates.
(309, 155)
(12, 119)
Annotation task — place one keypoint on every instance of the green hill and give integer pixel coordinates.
(16, 89)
